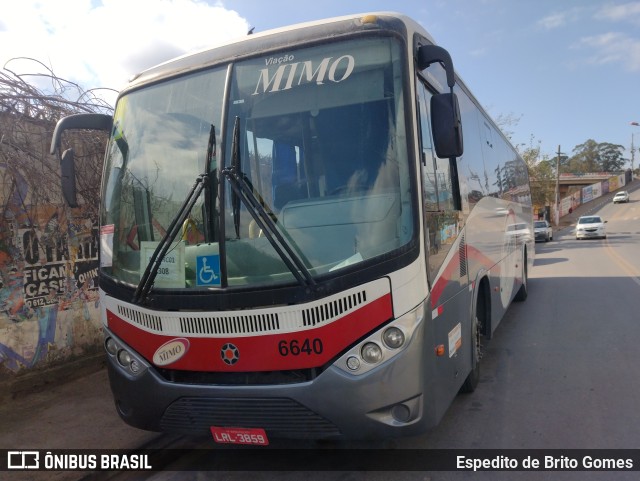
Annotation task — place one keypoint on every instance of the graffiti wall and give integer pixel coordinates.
(590, 193)
(48, 262)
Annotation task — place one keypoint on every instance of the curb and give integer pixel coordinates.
(23, 384)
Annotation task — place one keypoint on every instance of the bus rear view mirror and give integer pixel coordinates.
(68, 177)
(91, 121)
(445, 111)
(428, 54)
(446, 125)
(79, 121)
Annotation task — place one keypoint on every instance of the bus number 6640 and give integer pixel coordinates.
(297, 348)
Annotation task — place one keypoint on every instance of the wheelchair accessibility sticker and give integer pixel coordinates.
(208, 270)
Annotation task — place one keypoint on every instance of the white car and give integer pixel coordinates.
(591, 226)
(542, 230)
(622, 196)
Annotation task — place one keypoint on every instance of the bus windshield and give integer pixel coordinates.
(321, 147)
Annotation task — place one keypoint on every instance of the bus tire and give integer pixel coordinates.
(473, 378)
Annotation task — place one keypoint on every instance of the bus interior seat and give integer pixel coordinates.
(287, 179)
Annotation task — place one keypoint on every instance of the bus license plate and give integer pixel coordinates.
(239, 435)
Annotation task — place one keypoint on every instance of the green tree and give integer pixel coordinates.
(542, 175)
(585, 158)
(611, 159)
(563, 162)
(592, 156)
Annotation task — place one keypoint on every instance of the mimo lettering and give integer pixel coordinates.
(294, 74)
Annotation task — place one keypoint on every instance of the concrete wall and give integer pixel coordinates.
(48, 255)
(591, 192)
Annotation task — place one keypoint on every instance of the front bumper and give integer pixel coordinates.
(590, 234)
(541, 236)
(386, 402)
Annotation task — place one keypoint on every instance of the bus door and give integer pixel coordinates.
(446, 258)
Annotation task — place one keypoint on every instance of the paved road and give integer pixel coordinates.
(560, 371)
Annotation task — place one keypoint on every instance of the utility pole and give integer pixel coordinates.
(632, 148)
(632, 155)
(557, 213)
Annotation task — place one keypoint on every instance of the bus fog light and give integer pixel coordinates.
(124, 358)
(401, 413)
(353, 363)
(111, 346)
(393, 338)
(371, 353)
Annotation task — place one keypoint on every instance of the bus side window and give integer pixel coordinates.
(429, 186)
(440, 217)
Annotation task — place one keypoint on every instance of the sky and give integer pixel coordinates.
(557, 72)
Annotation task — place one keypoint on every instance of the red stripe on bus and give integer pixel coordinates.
(272, 352)
(454, 266)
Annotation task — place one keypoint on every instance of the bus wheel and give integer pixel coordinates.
(471, 382)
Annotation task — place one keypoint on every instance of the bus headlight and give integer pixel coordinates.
(393, 337)
(371, 353)
(382, 345)
(111, 346)
(135, 366)
(353, 363)
(126, 358)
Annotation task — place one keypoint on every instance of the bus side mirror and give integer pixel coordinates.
(428, 54)
(67, 161)
(68, 177)
(79, 121)
(446, 125)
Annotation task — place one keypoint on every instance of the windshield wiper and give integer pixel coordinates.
(242, 192)
(150, 273)
(235, 169)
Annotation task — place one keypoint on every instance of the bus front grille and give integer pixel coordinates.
(279, 417)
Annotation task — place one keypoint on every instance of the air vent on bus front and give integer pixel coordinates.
(230, 324)
(142, 318)
(236, 323)
(318, 314)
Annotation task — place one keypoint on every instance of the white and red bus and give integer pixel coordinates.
(298, 241)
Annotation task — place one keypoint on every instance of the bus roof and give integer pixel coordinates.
(263, 42)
